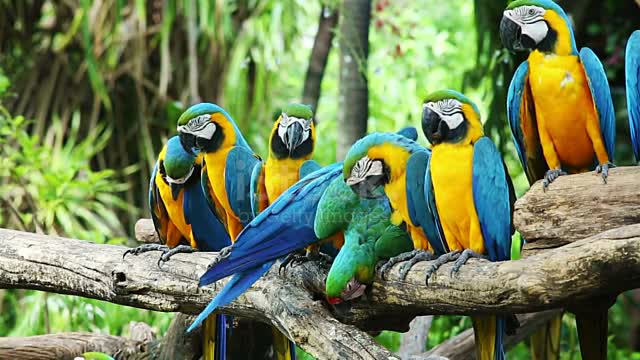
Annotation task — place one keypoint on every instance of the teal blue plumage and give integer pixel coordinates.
(632, 75)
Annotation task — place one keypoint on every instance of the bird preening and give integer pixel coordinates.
(392, 200)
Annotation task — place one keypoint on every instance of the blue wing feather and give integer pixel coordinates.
(409, 132)
(208, 231)
(430, 199)
(308, 167)
(283, 227)
(239, 166)
(419, 211)
(221, 337)
(632, 72)
(514, 104)
(238, 284)
(154, 200)
(601, 93)
(255, 190)
(492, 199)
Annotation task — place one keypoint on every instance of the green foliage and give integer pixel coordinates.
(48, 185)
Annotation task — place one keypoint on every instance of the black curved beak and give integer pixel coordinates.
(368, 188)
(294, 136)
(512, 37)
(433, 127)
(188, 142)
(175, 190)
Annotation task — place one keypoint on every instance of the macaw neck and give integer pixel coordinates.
(560, 40)
(280, 174)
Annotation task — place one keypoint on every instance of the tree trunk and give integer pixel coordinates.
(354, 94)
(319, 56)
(414, 341)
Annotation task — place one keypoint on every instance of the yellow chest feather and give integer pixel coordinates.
(452, 176)
(174, 207)
(280, 175)
(563, 105)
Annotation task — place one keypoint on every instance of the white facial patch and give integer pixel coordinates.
(363, 168)
(449, 110)
(531, 21)
(287, 121)
(181, 180)
(200, 126)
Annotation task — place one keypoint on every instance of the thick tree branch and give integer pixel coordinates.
(577, 206)
(68, 346)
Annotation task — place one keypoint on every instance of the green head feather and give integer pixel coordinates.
(177, 162)
(300, 111)
(361, 147)
(451, 94)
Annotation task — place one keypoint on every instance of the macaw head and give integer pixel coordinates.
(537, 25)
(450, 117)
(376, 160)
(293, 134)
(351, 271)
(207, 127)
(177, 165)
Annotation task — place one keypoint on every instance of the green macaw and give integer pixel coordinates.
(369, 238)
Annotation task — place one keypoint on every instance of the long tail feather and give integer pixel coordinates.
(238, 284)
(221, 337)
(545, 342)
(489, 332)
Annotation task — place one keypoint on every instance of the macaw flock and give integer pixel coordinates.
(391, 199)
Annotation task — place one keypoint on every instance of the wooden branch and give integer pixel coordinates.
(577, 206)
(68, 346)
(462, 346)
(86, 269)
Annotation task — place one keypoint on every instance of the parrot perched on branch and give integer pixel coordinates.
(632, 72)
(473, 194)
(184, 221)
(559, 102)
(561, 116)
(369, 238)
(287, 225)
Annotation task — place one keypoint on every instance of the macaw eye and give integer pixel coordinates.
(532, 12)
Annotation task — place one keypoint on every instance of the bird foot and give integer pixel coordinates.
(293, 259)
(465, 255)
(550, 177)
(421, 255)
(146, 248)
(180, 249)
(223, 254)
(384, 269)
(604, 170)
(441, 260)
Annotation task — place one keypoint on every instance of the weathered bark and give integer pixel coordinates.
(577, 206)
(461, 347)
(354, 93)
(414, 341)
(319, 56)
(69, 345)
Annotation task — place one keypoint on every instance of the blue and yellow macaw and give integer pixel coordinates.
(559, 108)
(369, 238)
(632, 72)
(559, 103)
(473, 194)
(462, 192)
(284, 227)
(228, 163)
(291, 145)
(184, 221)
(398, 165)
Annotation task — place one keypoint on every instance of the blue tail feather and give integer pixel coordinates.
(238, 284)
(221, 337)
(501, 328)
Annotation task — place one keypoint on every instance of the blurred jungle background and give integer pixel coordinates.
(91, 89)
